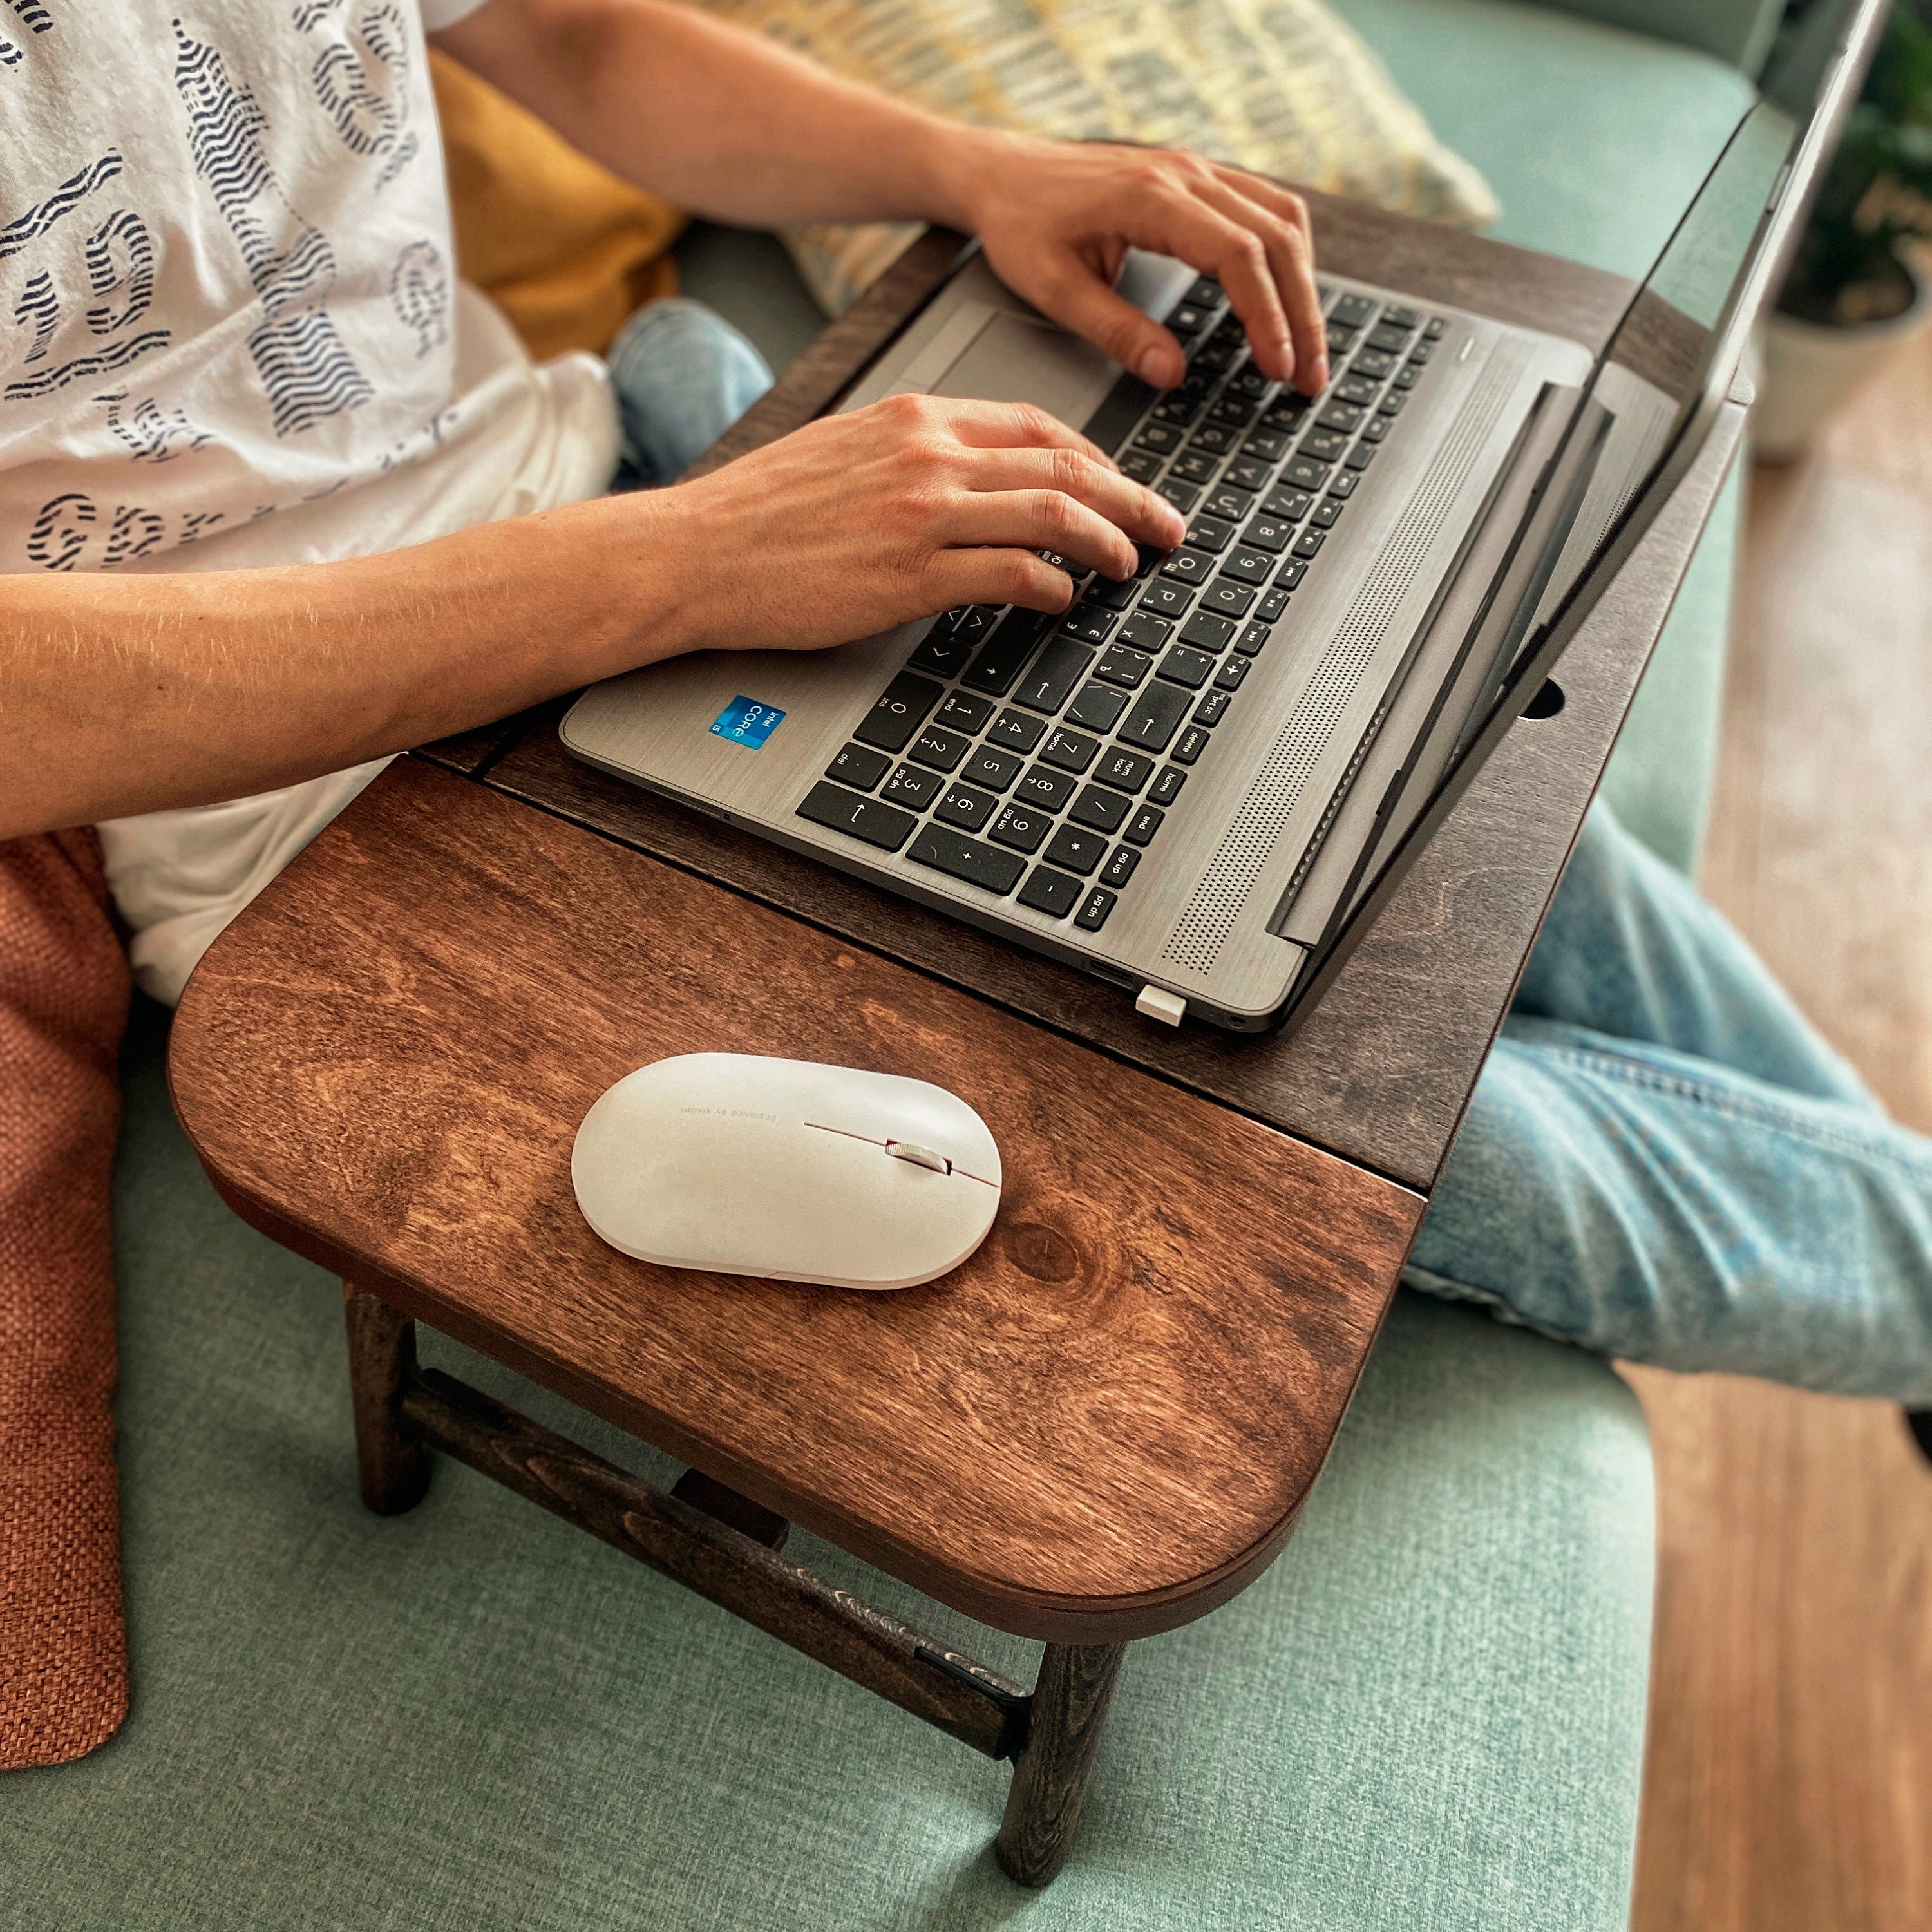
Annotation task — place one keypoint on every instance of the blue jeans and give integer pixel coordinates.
(682, 376)
(1664, 1161)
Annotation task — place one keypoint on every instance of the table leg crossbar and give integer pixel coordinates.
(726, 1547)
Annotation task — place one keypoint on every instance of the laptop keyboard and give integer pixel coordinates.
(1020, 750)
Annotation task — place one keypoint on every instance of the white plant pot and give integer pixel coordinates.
(1809, 369)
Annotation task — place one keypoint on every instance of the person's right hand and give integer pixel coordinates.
(858, 522)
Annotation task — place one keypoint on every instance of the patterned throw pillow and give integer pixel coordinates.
(1281, 86)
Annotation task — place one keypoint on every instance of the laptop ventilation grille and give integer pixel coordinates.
(1196, 943)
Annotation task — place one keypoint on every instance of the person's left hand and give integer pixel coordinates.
(1056, 219)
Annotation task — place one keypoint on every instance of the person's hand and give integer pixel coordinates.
(1057, 218)
(858, 522)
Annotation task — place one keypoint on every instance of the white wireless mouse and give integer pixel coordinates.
(786, 1169)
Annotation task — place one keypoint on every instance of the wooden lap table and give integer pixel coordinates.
(1102, 1425)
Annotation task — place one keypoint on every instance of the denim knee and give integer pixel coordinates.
(682, 377)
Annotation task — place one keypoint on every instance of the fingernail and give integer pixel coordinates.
(1152, 365)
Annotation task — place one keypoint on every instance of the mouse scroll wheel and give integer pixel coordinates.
(919, 1156)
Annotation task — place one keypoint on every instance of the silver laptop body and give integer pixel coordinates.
(1507, 485)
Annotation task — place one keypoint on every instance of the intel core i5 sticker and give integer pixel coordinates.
(745, 722)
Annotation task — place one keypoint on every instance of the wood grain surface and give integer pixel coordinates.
(1789, 1781)
(1103, 1425)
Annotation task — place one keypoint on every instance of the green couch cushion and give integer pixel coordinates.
(1427, 1714)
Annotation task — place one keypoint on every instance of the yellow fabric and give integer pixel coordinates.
(563, 247)
(1281, 86)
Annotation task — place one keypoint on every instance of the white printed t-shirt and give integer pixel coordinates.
(231, 334)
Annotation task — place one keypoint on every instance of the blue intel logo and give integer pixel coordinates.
(745, 722)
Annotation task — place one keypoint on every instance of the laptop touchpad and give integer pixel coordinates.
(1014, 359)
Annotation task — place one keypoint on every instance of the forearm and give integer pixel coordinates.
(725, 123)
(126, 693)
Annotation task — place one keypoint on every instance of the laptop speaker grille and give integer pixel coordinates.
(1196, 943)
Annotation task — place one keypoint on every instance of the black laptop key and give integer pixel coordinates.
(1050, 679)
(1372, 365)
(1120, 868)
(1407, 376)
(965, 712)
(1188, 747)
(1142, 465)
(945, 850)
(1161, 438)
(1361, 456)
(1167, 599)
(1094, 909)
(1195, 466)
(1386, 337)
(1374, 430)
(1004, 655)
(1229, 598)
(1181, 495)
(1229, 504)
(1125, 668)
(1324, 445)
(1126, 403)
(1071, 750)
(1145, 630)
(1274, 601)
(993, 768)
(1290, 574)
(859, 765)
(1340, 416)
(1077, 849)
(1214, 439)
(1252, 642)
(1403, 318)
(884, 826)
(1357, 389)
(901, 710)
(1305, 473)
(1015, 730)
(1250, 473)
(1207, 631)
(1044, 790)
(1188, 318)
(1112, 593)
(1052, 893)
(1024, 827)
(1235, 409)
(945, 656)
(1308, 544)
(1342, 483)
(1125, 770)
(1341, 338)
(1147, 821)
(1353, 309)
(1438, 326)
(1088, 622)
(1098, 708)
(1189, 669)
(1176, 409)
(1209, 533)
(911, 788)
(1205, 293)
(1391, 404)
(1189, 566)
(1272, 534)
(1329, 509)
(1249, 566)
(1167, 788)
(939, 749)
(1155, 717)
(1210, 710)
(966, 808)
(1101, 808)
(1269, 444)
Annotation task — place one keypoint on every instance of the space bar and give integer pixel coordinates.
(964, 858)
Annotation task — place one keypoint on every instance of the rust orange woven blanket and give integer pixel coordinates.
(64, 992)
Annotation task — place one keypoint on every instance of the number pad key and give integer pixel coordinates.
(1077, 849)
(1021, 827)
(1147, 821)
(1126, 771)
(1097, 708)
(1094, 909)
(1189, 746)
(912, 788)
(1048, 791)
(1071, 750)
(900, 711)
(992, 768)
(1016, 731)
(963, 713)
(940, 749)
(860, 767)
(960, 857)
(1053, 893)
(967, 808)
(1103, 809)
(1167, 786)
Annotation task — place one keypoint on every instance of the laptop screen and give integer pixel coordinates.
(1674, 351)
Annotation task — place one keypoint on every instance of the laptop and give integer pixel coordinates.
(1200, 785)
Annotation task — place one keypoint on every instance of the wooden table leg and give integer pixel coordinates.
(394, 1467)
(1069, 1710)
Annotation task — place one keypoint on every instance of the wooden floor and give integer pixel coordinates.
(1789, 1786)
